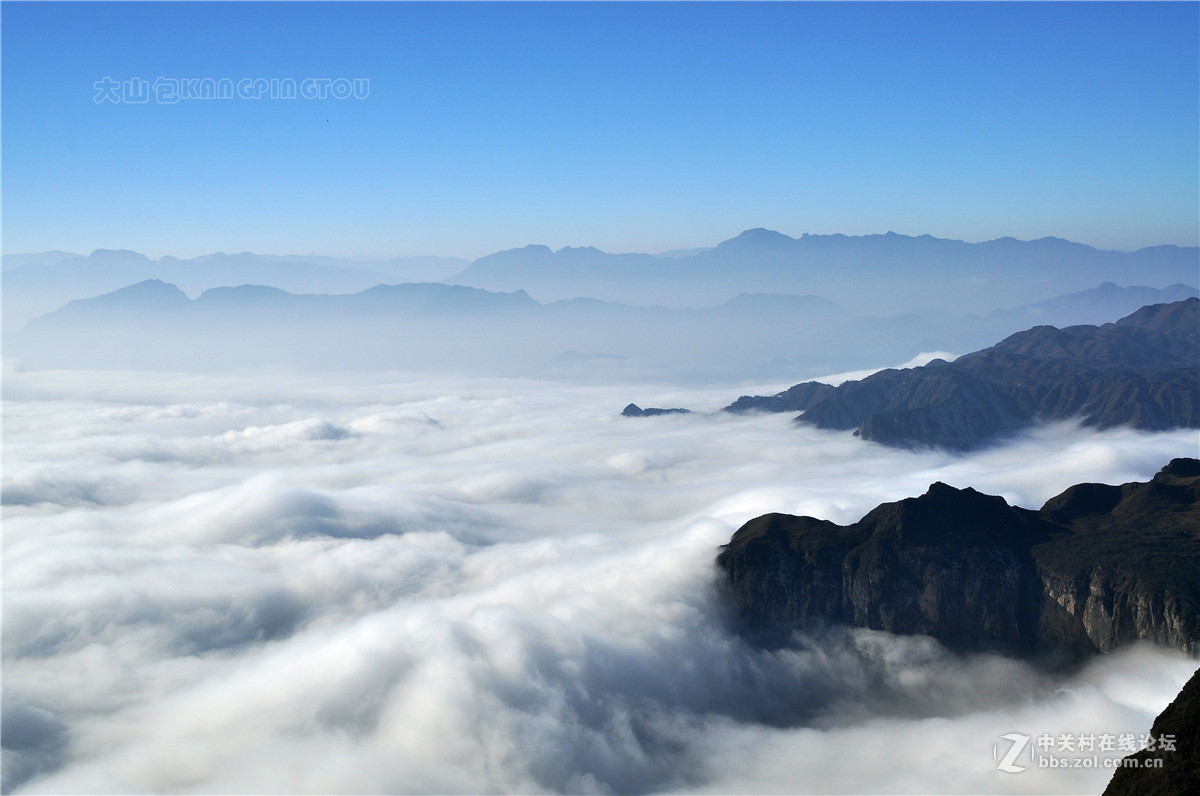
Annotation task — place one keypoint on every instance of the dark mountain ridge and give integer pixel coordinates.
(633, 410)
(1142, 371)
(1179, 774)
(1095, 568)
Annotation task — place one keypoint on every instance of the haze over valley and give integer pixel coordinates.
(730, 320)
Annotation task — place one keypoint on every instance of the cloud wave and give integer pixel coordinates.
(406, 584)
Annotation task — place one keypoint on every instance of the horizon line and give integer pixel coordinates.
(368, 258)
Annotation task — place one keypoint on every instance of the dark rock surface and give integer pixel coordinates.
(633, 410)
(1180, 772)
(1095, 568)
(794, 399)
(1142, 371)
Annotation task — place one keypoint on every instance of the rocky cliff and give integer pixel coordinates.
(1142, 371)
(1180, 771)
(1095, 568)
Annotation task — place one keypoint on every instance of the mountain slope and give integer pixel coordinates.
(1180, 771)
(1095, 568)
(1093, 306)
(1142, 371)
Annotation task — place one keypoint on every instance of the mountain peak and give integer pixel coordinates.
(245, 294)
(762, 233)
(1178, 317)
(757, 239)
(148, 287)
(112, 255)
(147, 294)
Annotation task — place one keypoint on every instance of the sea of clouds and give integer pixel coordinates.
(270, 583)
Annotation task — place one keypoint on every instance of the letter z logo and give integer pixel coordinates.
(1019, 742)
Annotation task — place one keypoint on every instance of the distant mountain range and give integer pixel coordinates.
(35, 284)
(1096, 568)
(761, 306)
(409, 326)
(1142, 371)
(434, 326)
(871, 274)
(1094, 306)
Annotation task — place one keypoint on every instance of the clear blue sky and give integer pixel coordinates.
(631, 127)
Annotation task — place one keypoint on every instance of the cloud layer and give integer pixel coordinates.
(402, 584)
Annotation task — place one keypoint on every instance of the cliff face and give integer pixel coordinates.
(1141, 371)
(1129, 567)
(1097, 567)
(1180, 771)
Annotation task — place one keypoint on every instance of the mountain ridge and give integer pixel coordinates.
(1142, 370)
(40, 283)
(1096, 568)
(870, 274)
(439, 326)
(856, 271)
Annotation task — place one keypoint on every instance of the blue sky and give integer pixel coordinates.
(631, 127)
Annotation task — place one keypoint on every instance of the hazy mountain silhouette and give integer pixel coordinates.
(1094, 306)
(431, 325)
(12, 261)
(871, 274)
(35, 284)
(439, 326)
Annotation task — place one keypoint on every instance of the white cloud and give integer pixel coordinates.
(920, 360)
(403, 584)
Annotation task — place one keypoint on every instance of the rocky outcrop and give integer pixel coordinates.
(1142, 371)
(794, 399)
(1095, 568)
(1179, 774)
(633, 410)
